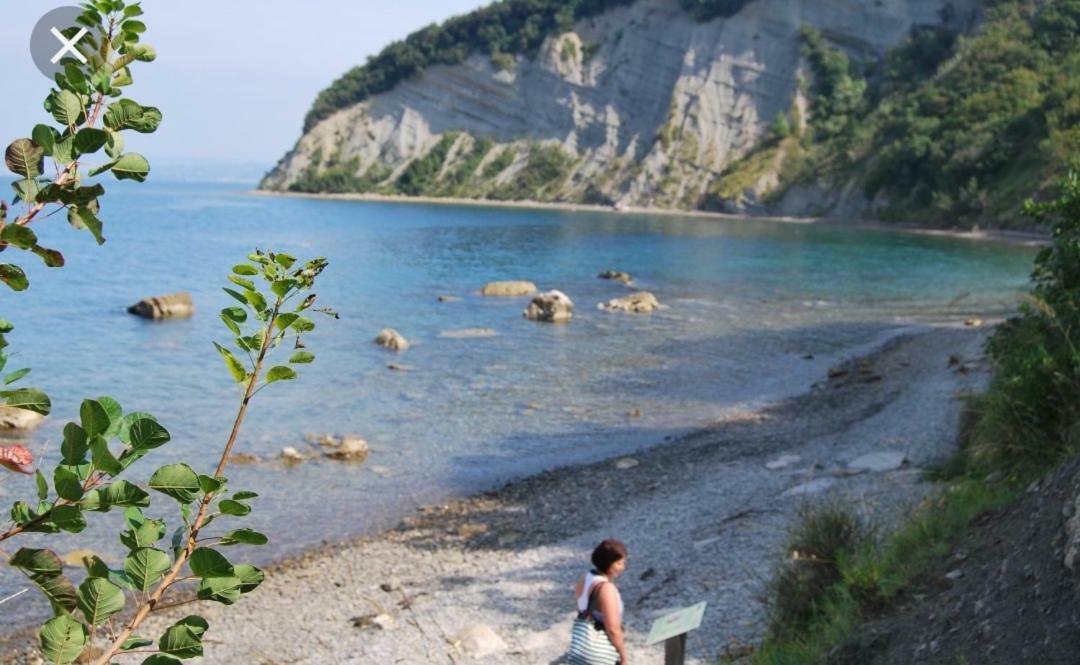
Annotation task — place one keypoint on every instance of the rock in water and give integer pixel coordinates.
(466, 333)
(550, 307)
(12, 418)
(391, 339)
(508, 289)
(642, 302)
(479, 641)
(291, 455)
(616, 275)
(351, 448)
(172, 306)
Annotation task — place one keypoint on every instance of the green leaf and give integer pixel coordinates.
(95, 567)
(19, 236)
(59, 591)
(74, 446)
(63, 639)
(234, 508)
(236, 368)
(67, 483)
(127, 421)
(136, 27)
(118, 493)
(236, 295)
(30, 399)
(51, 257)
(210, 484)
(302, 357)
(250, 576)
(69, 518)
(207, 562)
(237, 314)
(244, 537)
(145, 566)
(114, 147)
(20, 512)
(132, 10)
(26, 190)
(46, 137)
(225, 590)
(84, 218)
(143, 52)
(246, 284)
(94, 417)
(280, 373)
(42, 485)
(285, 260)
(129, 166)
(64, 150)
(143, 535)
(127, 114)
(16, 375)
(13, 276)
(282, 287)
(37, 562)
(184, 638)
(161, 659)
(244, 269)
(177, 481)
(99, 599)
(147, 434)
(302, 324)
(25, 157)
(115, 413)
(102, 457)
(285, 320)
(136, 642)
(89, 140)
(75, 79)
(244, 495)
(256, 300)
(66, 107)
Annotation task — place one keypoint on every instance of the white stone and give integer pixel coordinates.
(642, 302)
(351, 448)
(508, 289)
(879, 461)
(782, 462)
(626, 463)
(811, 488)
(12, 418)
(391, 339)
(550, 307)
(290, 454)
(479, 641)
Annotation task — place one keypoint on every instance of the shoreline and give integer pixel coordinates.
(1004, 236)
(501, 558)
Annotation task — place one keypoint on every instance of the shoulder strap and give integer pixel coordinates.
(592, 595)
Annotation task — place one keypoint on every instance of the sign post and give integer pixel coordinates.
(671, 629)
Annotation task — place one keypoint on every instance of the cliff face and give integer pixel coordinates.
(638, 106)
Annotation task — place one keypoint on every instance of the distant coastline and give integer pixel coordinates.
(1006, 236)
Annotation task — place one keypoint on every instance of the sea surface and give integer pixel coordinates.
(755, 311)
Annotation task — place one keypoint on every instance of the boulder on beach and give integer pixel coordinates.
(172, 306)
(479, 641)
(508, 289)
(391, 339)
(641, 302)
(18, 420)
(550, 307)
(348, 448)
(617, 276)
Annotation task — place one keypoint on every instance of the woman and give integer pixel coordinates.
(598, 635)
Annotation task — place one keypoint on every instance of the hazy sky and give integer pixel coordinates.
(233, 78)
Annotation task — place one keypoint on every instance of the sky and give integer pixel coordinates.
(233, 78)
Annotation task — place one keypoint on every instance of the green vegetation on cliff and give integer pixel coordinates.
(952, 129)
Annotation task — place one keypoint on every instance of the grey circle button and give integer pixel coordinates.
(56, 37)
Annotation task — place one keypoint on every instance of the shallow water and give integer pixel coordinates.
(748, 300)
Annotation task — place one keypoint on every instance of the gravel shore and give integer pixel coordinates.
(489, 579)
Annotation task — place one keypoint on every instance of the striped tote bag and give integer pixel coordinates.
(589, 643)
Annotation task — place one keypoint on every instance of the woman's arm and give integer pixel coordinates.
(607, 601)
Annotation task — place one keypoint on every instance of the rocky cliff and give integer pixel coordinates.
(639, 106)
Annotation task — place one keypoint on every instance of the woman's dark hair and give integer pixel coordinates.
(607, 553)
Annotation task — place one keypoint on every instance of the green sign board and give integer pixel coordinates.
(676, 623)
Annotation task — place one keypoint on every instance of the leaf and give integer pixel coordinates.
(127, 421)
(74, 446)
(114, 147)
(83, 217)
(244, 495)
(129, 166)
(37, 562)
(236, 368)
(136, 27)
(244, 269)
(69, 518)
(143, 535)
(26, 190)
(160, 659)
(119, 493)
(58, 590)
(67, 483)
(207, 562)
(177, 481)
(234, 508)
(302, 357)
(64, 150)
(25, 157)
(225, 590)
(237, 314)
(184, 638)
(89, 140)
(285, 260)
(302, 324)
(51, 257)
(132, 10)
(244, 537)
(246, 284)
(13, 276)
(236, 295)
(280, 373)
(66, 107)
(94, 417)
(115, 413)
(103, 457)
(99, 599)
(250, 576)
(135, 642)
(257, 300)
(62, 639)
(147, 434)
(281, 287)
(127, 114)
(19, 236)
(45, 136)
(210, 484)
(145, 566)
(42, 485)
(30, 399)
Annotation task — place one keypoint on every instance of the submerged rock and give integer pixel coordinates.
(467, 333)
(391, 339)
(348, 448)
(15, 419)
(642, 302)
(550, 307)
(509, 289)
(172, 306)
(616, 275)
(291, 455)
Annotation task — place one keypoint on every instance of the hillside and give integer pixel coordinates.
(883, 109)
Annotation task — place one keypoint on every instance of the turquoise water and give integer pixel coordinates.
(747, 301)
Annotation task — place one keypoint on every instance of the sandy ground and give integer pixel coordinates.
(703, 516)
(1012, 237)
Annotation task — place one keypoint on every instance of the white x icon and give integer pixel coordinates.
(68, 45)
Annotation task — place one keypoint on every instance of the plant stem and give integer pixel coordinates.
(192, 539)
